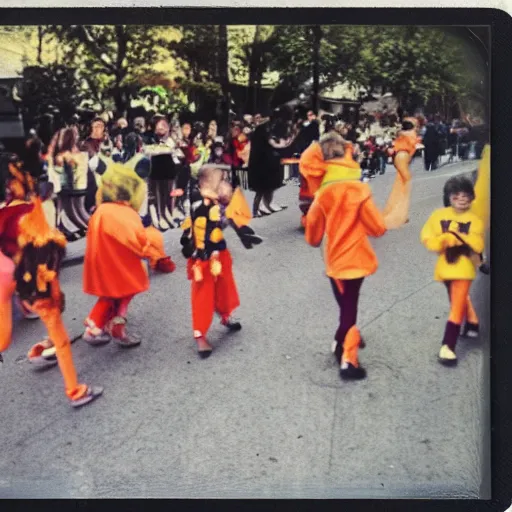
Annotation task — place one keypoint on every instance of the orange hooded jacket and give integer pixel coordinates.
(344, 212)
(116, 244)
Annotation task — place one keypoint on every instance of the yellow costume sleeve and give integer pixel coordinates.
(200, 232)
(238, 210)
(186, 224)
(475, 238)
(431, 234)
(481, 205)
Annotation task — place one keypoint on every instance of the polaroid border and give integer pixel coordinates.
(500, 24)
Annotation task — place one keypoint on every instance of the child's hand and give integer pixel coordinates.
(177, 192)
(449, 240)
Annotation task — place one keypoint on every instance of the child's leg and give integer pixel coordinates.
(459, 294)
(226, 293)
(80, 394)
(347, 336)
(96, 323)
(203, 305)
(117, 325)
(471, 316)
(256, 204)
(471, 326)
(102, 312)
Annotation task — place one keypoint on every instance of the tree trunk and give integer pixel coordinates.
(40, 35)
(317, 38)
(223, 63)
(122, 44)
(254, 71)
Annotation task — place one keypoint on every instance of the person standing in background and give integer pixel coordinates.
(431, 143)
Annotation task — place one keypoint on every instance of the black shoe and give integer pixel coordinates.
(352, 373)
(470, 330)
(232, 326)
(485, 268)
(204, 354)
(337, 352)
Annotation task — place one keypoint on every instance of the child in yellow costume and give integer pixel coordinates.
(456, 233)
(117, 242)
(34, 274)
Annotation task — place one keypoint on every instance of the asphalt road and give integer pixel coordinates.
(266, 416)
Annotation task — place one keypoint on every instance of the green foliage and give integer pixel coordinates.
(52, 88)
(413, 63)
(111, 59)
(416, 64)
(197, 52)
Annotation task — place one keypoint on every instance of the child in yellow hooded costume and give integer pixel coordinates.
(117, 244)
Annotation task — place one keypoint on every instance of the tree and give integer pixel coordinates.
(52, 89)
(111, 59)
(201, 55)
(316, 31)
(415, 64)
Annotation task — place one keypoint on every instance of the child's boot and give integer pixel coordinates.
(95, 336)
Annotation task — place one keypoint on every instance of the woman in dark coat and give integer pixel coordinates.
(270, 142)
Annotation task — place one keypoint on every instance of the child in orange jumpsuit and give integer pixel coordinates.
(457, 235)
(209, 260)
(117, 242)
(344, 212)
(34, 273)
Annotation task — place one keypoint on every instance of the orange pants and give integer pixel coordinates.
(107, 309)
(461, 309)
(212, 294)
(51, 316)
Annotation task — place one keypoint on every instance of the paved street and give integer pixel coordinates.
(267, 415)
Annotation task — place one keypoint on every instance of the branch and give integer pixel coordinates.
(89, 41)
(122, 43)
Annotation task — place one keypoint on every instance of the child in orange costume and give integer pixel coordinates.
(117, 242)
(404, 149)
(158, 261)
(209, 266)
(313, 165)
(344, 212)
(457, 235)
(37, 265)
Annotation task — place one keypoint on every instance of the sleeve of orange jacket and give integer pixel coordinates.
(315, 225)
(372, 218)
(130, 233)
(156, 249)
(431, 235)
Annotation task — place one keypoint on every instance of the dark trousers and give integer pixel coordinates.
(347, 296)
(431, 160)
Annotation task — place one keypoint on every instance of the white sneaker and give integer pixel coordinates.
(264, 210)
(163, 225)
(446, 355)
